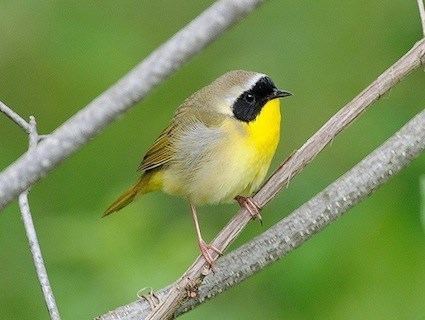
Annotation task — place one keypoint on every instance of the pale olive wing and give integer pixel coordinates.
(159, 153)
(163, 149)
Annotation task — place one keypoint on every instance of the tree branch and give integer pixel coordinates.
(31, 129)
(312, 217)
(16, 118)
(133, 87)
(193, 276)
(422, 14)
(37, 257)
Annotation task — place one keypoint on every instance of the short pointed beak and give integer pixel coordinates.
(277, 93)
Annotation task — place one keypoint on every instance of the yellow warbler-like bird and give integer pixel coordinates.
(217, 147)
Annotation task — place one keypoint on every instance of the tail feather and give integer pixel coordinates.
(128, 196)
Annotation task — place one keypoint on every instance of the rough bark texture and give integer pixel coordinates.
(193, 276)
(299, 226)
(274, 243)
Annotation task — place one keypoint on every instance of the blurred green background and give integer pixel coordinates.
(56, 56)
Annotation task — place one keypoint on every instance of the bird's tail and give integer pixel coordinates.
(144, 185)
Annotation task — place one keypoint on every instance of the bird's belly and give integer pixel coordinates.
(236, 165)
(236, 168)
(220, 179)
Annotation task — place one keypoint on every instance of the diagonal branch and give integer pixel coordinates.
(133, 87)
(16, 118)
(31, 129)
(194, 275)
(422, 14)
(291, 232)
(313, 216)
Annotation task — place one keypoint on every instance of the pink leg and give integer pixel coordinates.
(249, 204)
(203, 246)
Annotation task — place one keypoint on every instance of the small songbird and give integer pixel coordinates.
(217, 147)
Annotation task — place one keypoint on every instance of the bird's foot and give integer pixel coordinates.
(251, 206)
(205, 251)
(151, 297)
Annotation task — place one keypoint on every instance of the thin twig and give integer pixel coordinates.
(193, 276)
(16, 118)
(32, 236)
(37, 257)
(422, 14)
(31, 129)
(387, 160)
(133, 87)
(72, 140)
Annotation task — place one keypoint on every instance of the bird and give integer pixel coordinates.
(216, 149)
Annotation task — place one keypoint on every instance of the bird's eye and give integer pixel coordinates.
(249, 98)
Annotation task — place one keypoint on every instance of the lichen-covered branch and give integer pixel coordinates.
(133, 87)
(193, 276)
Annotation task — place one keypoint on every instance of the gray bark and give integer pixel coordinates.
(193, 276)
(133, 87)
(40, 268)
(292, 231)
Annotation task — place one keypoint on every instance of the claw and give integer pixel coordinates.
(151, 297)
(203, 246)
(251, 206)
(205, 250)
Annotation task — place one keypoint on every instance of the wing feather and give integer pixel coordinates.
(163, 149)
(160, 153)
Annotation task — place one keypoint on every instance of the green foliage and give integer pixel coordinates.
(57, 56)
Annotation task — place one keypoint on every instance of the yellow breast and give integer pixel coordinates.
(264, 131)
(262, 138)
(235, 166)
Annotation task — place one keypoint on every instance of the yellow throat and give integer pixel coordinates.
(264, 131)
